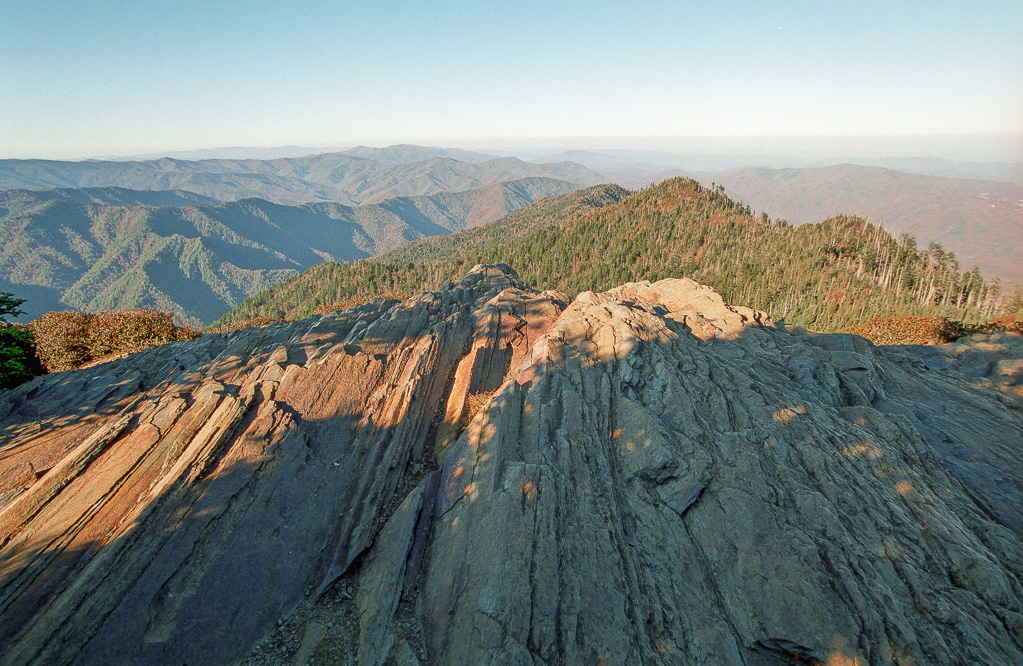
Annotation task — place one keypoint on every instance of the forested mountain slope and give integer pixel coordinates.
(980, 221)
(825, 276)
(24, 199)
(58, 249)
(416, 262)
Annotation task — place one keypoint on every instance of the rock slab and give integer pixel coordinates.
(489, 474)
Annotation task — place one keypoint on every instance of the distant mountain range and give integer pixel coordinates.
(224, 153)
(113, 248)
(402, 153)
(339, 177)
(1006, 172)
(981, 221)
(397, 153)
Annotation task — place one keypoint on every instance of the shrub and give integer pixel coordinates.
(68, 339)
(343, 304)
(244, 323)
(911, 330)
(1010, 323)
(346, 303)
(916, 330)
(129, 331)
(61, 340)
(478, 401)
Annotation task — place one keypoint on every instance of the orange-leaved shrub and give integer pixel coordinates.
(244, 323)
(69, 339)
(917, 330)
(346, 303)
(61, 340)
(911, 330)
(1012, 323)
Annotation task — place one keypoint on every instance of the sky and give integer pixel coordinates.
(86, 78)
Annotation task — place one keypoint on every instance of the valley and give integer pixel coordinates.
(110, 248)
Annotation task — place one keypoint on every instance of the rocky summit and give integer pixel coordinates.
(488, 474)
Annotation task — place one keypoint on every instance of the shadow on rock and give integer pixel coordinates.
(488, 474)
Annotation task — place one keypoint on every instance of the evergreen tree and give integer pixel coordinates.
(17, 355)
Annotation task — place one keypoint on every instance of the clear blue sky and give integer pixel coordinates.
(87, 78)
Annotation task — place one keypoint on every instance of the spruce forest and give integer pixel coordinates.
(827, 276)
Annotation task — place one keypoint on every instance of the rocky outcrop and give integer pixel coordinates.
(488, 474)
(990, 360)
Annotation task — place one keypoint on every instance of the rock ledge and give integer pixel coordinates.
(489, 474)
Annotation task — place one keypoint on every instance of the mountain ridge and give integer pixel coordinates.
(62, 249)
(928, 206)
(981, 221)
(338, 177)
(824, 276)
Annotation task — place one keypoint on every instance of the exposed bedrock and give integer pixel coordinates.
(489, 474)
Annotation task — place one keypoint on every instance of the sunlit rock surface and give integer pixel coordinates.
(488, 474)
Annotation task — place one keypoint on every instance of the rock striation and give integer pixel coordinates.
(488, 474)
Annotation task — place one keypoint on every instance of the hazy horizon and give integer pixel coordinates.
(991, 148)
(119, 78)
